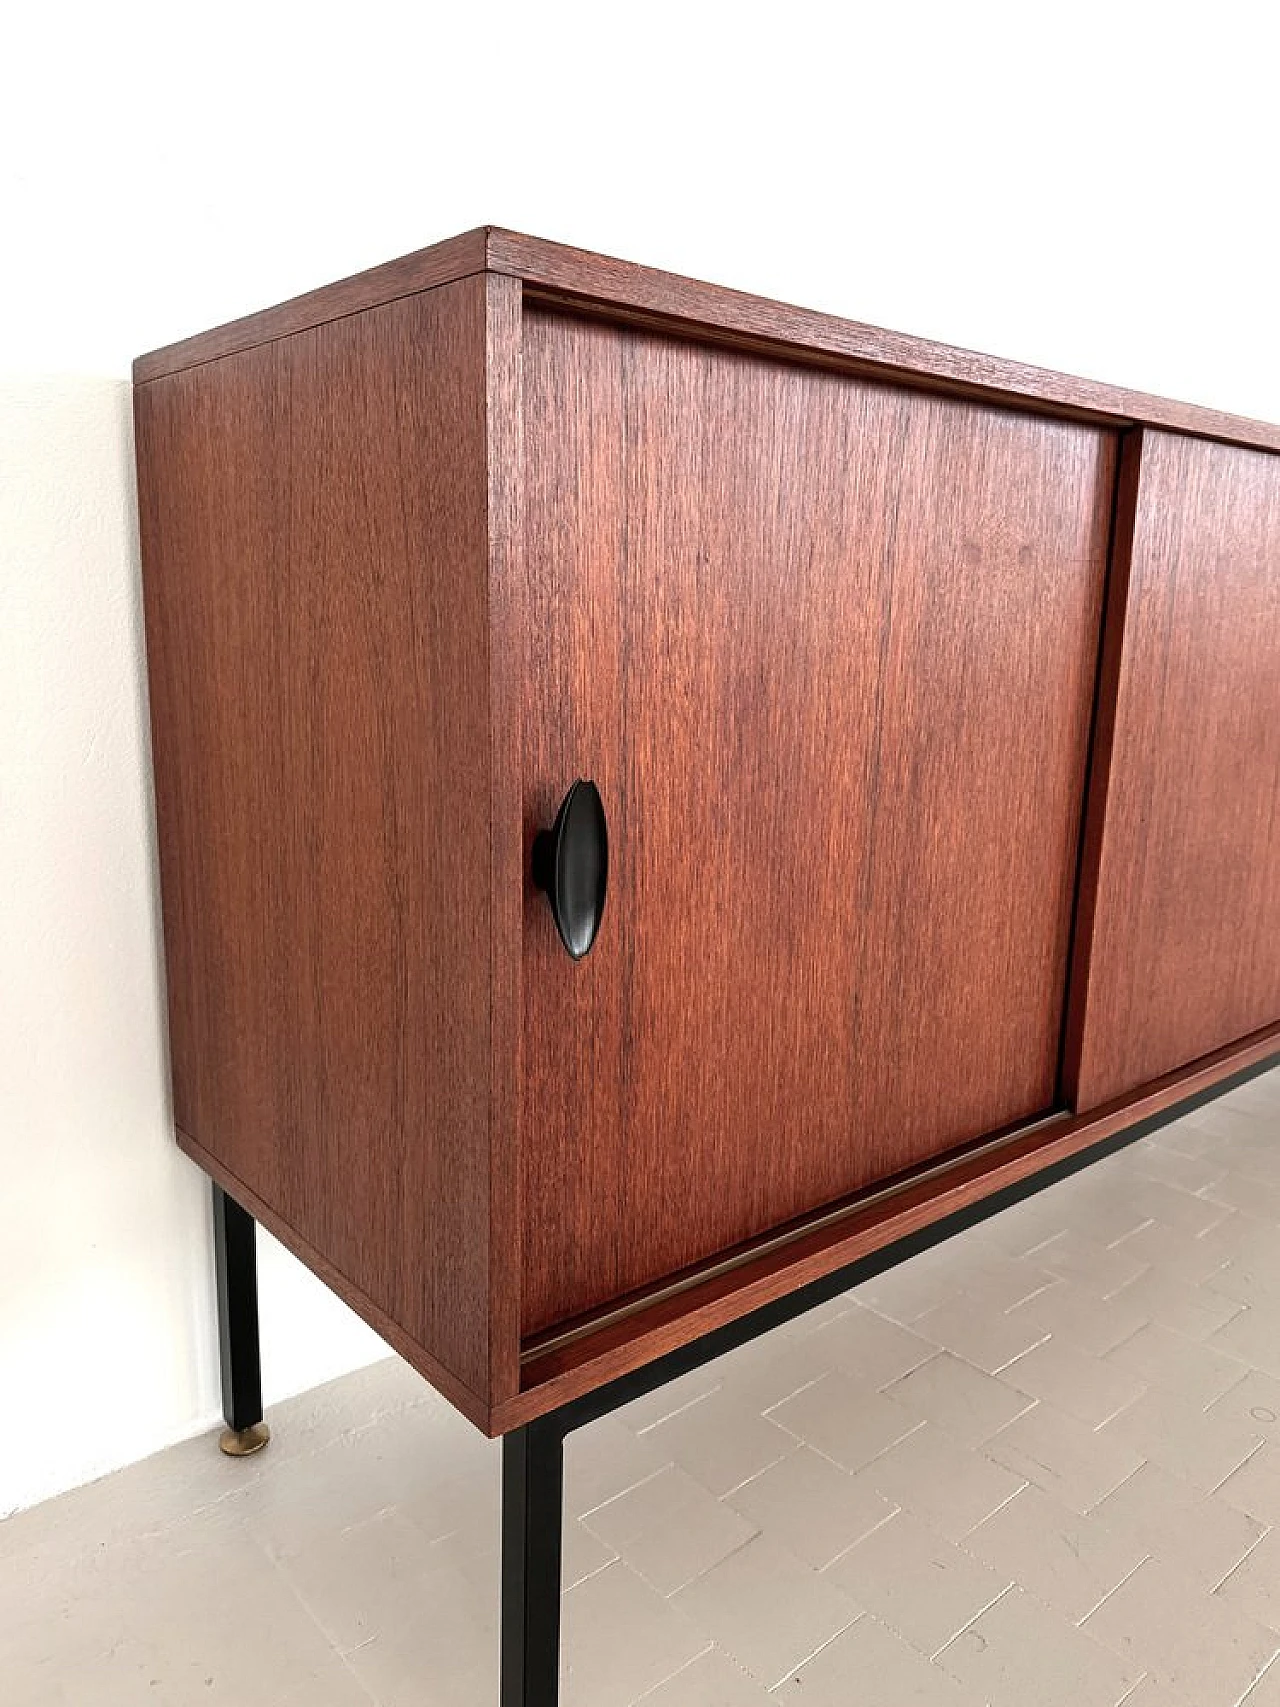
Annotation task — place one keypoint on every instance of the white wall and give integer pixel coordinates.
(1091, 186)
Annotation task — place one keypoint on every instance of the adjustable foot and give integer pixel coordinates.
(235, 1253)
(244, 1442)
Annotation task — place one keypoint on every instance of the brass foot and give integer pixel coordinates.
(244, 1442)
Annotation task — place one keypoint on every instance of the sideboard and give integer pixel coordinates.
(665, 797)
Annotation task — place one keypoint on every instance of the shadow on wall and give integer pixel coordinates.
(107, 1347)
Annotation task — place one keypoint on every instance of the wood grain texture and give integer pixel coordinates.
(828, 649)
(442, 263)
(739, 316)
(423, 546)
(563, 1375)
(504, 430)
(315, 555)
(708, 310)
(1182, 880)
(472, 1406)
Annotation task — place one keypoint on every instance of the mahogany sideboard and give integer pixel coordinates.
(924, 716)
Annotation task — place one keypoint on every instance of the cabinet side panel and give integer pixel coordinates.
(1183, 958)
(315, 572)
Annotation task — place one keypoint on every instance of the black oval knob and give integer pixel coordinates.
(571, 862)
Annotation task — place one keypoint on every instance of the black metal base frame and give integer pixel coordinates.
(533, 1456)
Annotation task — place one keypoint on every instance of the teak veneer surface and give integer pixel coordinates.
(838, 620)
(314, 531)
(626, 288)
(827, 647)
(1180, 932)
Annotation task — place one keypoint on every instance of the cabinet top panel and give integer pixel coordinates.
(624, 290)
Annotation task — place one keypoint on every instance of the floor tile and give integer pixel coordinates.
(399, 1611)
(1186, 1639)
(678, 1395)
(1194, 1310)
(1194, 1173)
(766, 1371)
(967, 1403)
(1203, 1536)
(1071, 1255)
(1175, 1432)
(844, 1420)
(1063, 1457)
(1023, 1226)
(1181, 1365)
(1266, 1691)
(947, 1485)
(1260, 1095)
(582, 1553)
(1240, 1237)
(908, 1290)
(1255, 1486)
(1177, 1254)
(670, 1529)
(719, 1442)
(1253, 1588)
(1097, 1202)
(205, 1619)
(1017, 1652)
(810, 1506)
(1252, 1337)
(868, 1663)
(431, 1475)
(871, 1348)
(1087, 1388)
(767, 1609)
(1155, 1692)
(1253, 1403)
(1187, 1137)
(993, 1282)
(987, 1339)
(620, 1639)
(1174, 1207)
(363, 1578)
(713, 1680)
(604, 1460)
(1090, 1323)
(920, 1585)
(1068, 1561)
(1229, 1117)
(1245, 1191)
(1253, 1280)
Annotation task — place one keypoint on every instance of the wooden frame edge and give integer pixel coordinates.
(654, 297)
(504, 451)
(651, 296)
(440, 263)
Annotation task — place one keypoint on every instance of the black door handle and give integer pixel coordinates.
(571, 862)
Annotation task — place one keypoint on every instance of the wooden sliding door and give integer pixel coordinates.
(1179, 948)
(828, 649)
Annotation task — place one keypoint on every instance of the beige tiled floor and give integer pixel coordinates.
(1038, 1465)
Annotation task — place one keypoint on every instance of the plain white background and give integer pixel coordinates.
(1092, 187)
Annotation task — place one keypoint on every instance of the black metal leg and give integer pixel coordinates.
(532, 1522)
(235, 1254)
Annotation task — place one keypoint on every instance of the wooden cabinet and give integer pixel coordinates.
(908, 895)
